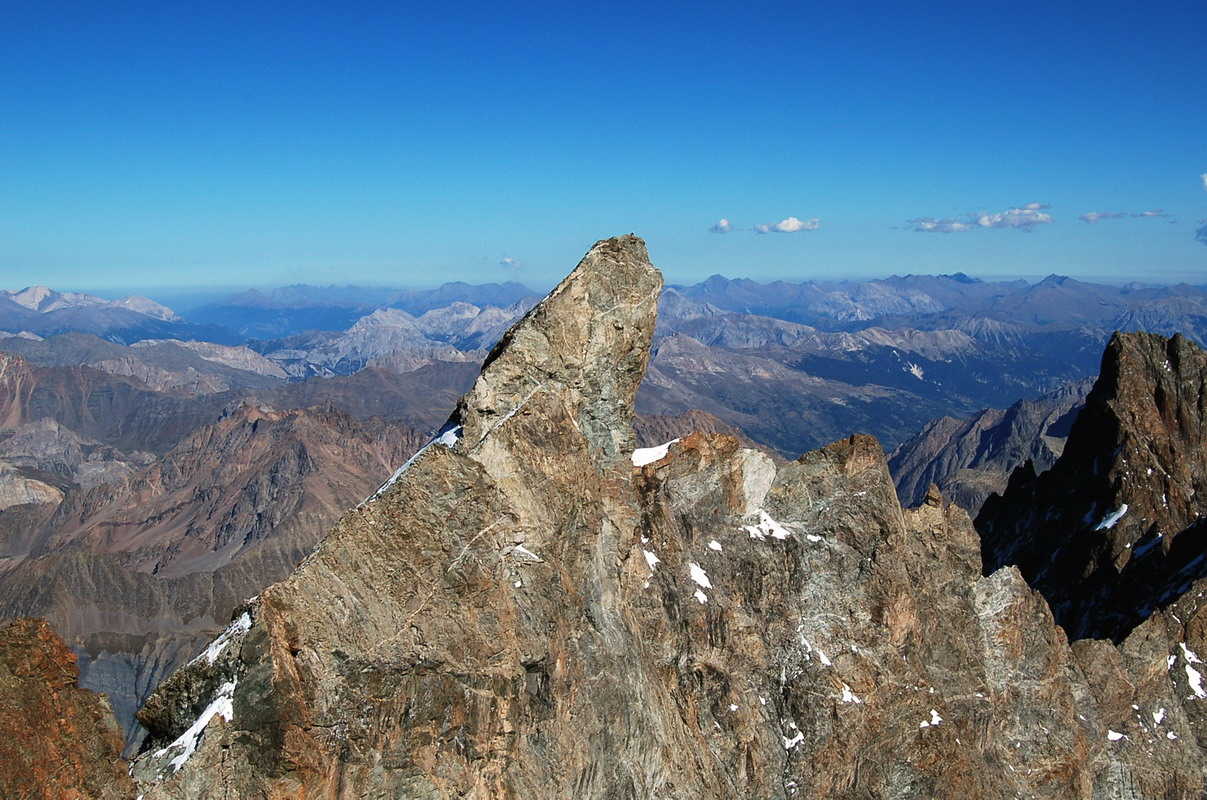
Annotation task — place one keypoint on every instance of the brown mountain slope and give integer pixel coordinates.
(136, 574)
(57, 741)
(522, 612)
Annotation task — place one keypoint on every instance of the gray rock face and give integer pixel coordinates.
(522, 612)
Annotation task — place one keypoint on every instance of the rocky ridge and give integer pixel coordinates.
(1117, 528)
(528, 608)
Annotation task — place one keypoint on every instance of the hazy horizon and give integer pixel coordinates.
(155, 145)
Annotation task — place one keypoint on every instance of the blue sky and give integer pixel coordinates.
(212, 144)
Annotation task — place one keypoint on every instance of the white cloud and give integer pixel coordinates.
(508, 262)
(1203, 178)
(722, 225)
(789, 225)
(1024, 218)
(1094, 216)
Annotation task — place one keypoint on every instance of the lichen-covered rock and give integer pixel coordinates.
(523, 612)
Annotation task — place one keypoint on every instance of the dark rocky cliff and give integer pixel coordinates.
(1116, 529)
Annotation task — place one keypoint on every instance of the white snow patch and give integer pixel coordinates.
(648, 455)
(915, 370)
(1114, 736)
(1193, 676)
(699, 576)
(935, 719)
(651, 559)
(524, 551)
(795, 740)
(732, 707)
(767, 527)
(187, 742)
(714, 545)
(701, 598)
(1110, 519)
(1170, 735)
(446, 437)
(848, 696)
(1158, 716)
(215, 648)
(518, 584)
(825, 662)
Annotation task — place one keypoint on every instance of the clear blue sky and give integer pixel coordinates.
(210, 143)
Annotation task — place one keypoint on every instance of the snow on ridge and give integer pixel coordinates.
(222, 705)
(648, 455)
(699, 576)
(447, 436)
(651, 559)
(215, 648)
(1110, 519)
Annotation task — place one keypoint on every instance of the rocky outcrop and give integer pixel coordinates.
(57, 741)
(528, 608)
(1116, 529)
(969, 459)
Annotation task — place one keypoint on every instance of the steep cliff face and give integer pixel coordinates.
(1116, 529)
(529, 608)
(58, 742)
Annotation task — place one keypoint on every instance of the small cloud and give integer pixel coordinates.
(932, 225)
(722, 225)
(1094, 216)
(1200, 235)
(1203, 178)
(1025, 217)
(789, 225)
(507, 262)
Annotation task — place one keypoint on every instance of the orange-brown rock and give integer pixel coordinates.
(57, 741)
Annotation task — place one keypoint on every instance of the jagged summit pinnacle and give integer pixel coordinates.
(587, 343)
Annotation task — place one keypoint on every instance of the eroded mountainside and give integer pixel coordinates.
(1118, 526)
(138, 572)
(523, 612)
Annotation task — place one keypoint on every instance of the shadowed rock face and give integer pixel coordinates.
(57, 741)
(1116, 528)
(520, 612)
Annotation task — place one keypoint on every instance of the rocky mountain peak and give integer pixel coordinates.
(584, 348)
(521, 613)
(1114, 529)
